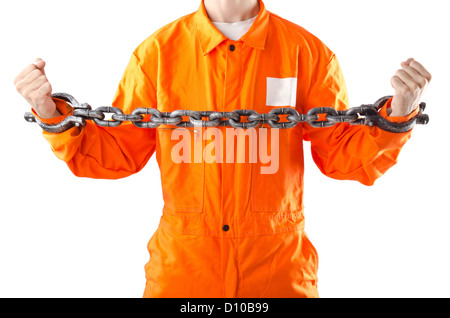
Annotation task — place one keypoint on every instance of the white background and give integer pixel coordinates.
(62, 236)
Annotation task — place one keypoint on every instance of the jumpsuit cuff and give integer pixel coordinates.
(383, 112)
(64, 108)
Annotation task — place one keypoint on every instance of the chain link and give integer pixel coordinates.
(362, 115)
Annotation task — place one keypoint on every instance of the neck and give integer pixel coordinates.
(231, 10)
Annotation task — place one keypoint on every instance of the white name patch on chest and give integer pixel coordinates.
(281, 91)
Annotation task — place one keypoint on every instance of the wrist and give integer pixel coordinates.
(394, 113)
(56, 113)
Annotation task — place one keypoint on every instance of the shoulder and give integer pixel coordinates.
(309, 44)
(165, 34)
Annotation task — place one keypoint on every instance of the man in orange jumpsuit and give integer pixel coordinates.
(227, 229)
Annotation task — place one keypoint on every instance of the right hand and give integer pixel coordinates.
(34, 86)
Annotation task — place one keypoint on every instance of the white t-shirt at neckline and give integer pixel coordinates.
(234, 30)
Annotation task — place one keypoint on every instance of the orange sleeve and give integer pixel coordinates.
(110, 152)
(347, 152)
(383, 112)
(64, 109)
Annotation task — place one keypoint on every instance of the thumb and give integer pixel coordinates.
(396, 83)
(40, 64)
(407, 62)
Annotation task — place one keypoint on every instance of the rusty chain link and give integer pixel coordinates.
(362, 115)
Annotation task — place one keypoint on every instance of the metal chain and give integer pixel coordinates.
(362, 115)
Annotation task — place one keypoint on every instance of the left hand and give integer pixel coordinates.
(409, 83)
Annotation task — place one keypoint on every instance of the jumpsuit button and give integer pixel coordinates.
(232, 48)
(226, 228)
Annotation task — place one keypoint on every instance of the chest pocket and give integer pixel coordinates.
(277, 180)
(182, 170)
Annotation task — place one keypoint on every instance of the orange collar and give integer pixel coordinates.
(210, 37)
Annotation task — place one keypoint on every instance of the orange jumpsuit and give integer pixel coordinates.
(227, 230)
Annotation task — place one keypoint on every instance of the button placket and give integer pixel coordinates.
(232, 101)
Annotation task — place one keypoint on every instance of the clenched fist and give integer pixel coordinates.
(34, 86)
(409, 83)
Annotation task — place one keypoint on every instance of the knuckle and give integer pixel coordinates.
(42, 78)
(46, 88)
(407, 68)
(400, 73)
(395, 80)
(19, 86)
(415, 64)
(403, 89)
(423, 82)
(35, 73)
(26, 93)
